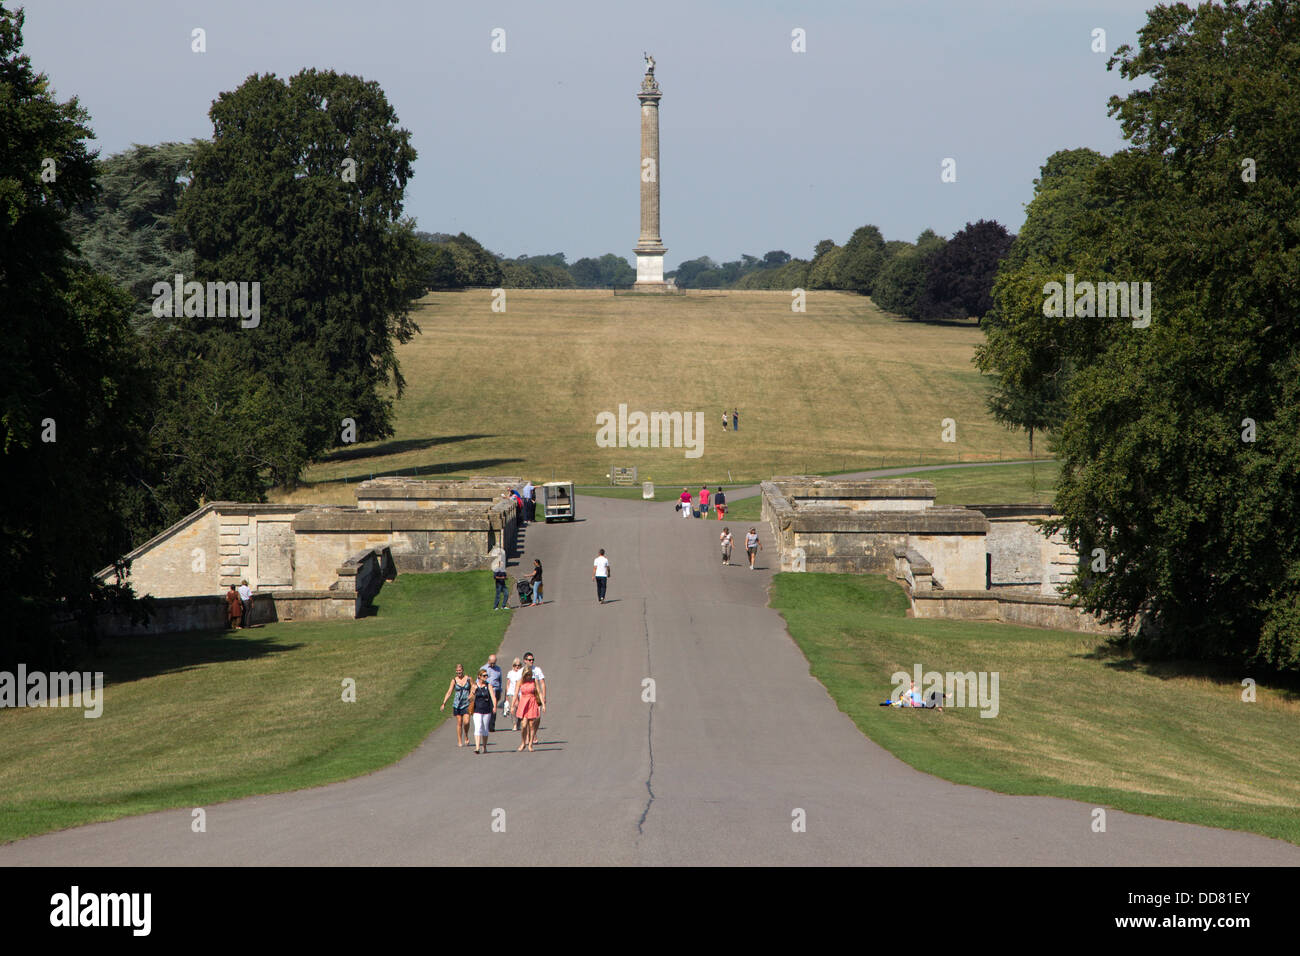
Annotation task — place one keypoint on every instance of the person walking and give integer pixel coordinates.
(246, 601)
(600, 574)
(531, 705)
(512, 690)
(752, 546)
(685, 499)
(725, 540)
(735, 419)
(502, 601)
(536, 579)
(704, 502)
(494, 679)
(724, 419)
(485, 705)
(460, 685)
(530, 500)
(719, 503)
(530, 661)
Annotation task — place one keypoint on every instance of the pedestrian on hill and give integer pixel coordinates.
(531, 705)
(502, 600)
(720, 503)
(460, 686)
(536, 579)
(234, 609)
(685, 505)
(485, 705)
(724, 419)
(704, 502)
(512, 689)
(735, 419)
(494, 679)
(752, 546)
(725, 540)
(600, 574)
(246, 601)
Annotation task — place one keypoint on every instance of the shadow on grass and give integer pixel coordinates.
(1117, 657)
(418, 471)
(396, 447)
(126, 659)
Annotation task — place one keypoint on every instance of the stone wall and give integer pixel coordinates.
(220, 544)
(1021, 556)
(1027, 609)
(862, 537)
(401, 494)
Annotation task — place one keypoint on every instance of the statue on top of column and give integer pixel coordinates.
(648, 83)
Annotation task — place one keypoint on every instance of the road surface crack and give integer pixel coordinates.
(650, 732)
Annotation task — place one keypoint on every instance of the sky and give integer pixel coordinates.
(535, 149)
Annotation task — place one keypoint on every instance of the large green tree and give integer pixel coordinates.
(72, 389)
(900, 285)
(959, 276)
(300, 190)
(128, 232)
(862, 259)
(1181, 438)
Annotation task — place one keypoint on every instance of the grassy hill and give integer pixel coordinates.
(842, 386)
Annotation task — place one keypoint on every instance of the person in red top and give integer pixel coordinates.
(686, 503)
(704, 502)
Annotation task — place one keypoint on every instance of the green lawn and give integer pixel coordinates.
(1074, 720)
(193, 719)
(842, 387)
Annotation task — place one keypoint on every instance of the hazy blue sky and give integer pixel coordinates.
(536, 149)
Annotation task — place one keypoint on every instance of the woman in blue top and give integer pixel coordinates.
(460, 684)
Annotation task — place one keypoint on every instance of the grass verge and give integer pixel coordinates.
(1074, 720)
(194, 719)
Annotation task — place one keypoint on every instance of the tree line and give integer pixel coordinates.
(930, 279)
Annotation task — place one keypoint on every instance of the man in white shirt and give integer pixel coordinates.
(246, 599)
(600, 574)
(528, 493)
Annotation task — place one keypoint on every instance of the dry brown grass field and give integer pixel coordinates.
(842, 386)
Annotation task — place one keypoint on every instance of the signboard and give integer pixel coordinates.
(622, 476)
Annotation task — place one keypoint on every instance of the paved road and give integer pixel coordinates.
(739, 737)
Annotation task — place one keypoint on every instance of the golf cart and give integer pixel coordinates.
(558, 501)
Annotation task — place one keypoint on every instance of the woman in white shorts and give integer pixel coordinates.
(512, 688)
(484, 702)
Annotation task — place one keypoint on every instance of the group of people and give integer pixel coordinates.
(752, 546)
(239, 606)
(502, 600)
(735, 419)
(686, 502)
(474, 703)
(525, 499)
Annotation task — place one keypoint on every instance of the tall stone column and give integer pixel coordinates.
(650, 248)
